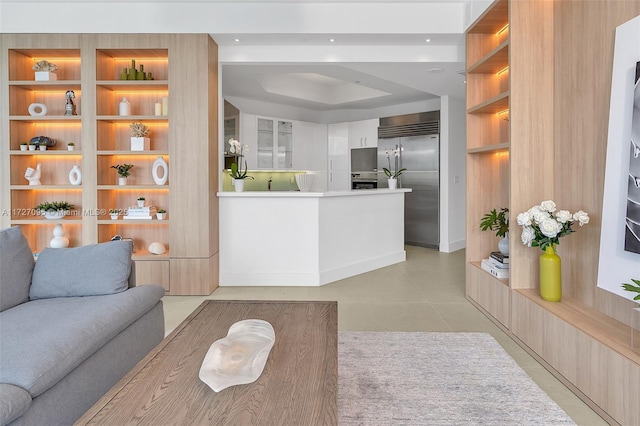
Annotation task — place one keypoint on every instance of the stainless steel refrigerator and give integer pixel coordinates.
(421, 156)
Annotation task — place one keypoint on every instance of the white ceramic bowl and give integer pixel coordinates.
(304, 181)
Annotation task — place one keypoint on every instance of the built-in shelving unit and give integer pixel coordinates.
(528, 140)
(487, 149)
(91, 66)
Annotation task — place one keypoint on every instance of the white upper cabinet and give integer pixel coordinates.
(364, 133)
(338, 178)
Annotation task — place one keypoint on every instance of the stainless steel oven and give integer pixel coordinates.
(364, 180)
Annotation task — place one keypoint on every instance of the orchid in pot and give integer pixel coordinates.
(237, 173)
(392, 174)
(542, 226)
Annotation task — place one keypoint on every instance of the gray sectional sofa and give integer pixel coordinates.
(71, 325)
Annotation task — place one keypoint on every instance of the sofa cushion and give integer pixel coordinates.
(91, 270)
(14, 402)
(16, 266)
(43, 340)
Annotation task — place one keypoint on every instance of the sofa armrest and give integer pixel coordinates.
(14, 402)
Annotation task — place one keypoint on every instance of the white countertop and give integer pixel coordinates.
(300, 194)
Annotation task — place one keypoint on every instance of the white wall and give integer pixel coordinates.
(453, 176)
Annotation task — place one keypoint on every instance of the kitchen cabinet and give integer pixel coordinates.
(275, 143)
(364, 133)
(338, 178)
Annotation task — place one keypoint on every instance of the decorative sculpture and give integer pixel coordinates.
(157, 248)
(70, 107)
(75, 176)
(160, 178)
(44, 66)
(240, 357)
(58, 240)
(33, 175)
(37, 110)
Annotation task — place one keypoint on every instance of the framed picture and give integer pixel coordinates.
(620, 237)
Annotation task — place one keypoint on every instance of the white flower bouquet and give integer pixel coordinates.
(542, 225)
(395, 172)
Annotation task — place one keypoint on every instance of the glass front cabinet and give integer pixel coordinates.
(275, 144)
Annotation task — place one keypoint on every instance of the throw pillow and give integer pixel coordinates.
(16, 266)
(91, 270)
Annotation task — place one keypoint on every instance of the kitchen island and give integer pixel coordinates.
(294, 238)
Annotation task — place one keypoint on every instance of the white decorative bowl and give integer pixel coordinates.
(58, 214)
(304, 181)
(240, 357)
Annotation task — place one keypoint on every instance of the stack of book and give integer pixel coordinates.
(146, 212)
(497, 265)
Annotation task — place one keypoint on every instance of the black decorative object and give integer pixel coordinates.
(43, 140)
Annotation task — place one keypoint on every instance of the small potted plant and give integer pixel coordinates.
(139, 137)
(123, 172)
(54, 209)
(237, 174)
(43, 147)
(392, 174)
(161, 214)
(24, 146)
(499, 222)
(71, 146)
(32, 146)
(113, 213)
(141, 201)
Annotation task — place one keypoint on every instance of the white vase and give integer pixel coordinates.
(238, 184)
(43, 147)
(140, 143)
(503, 245)
(124, 107)
(24, 147)
(160, 164)
(122, 181)
(32, 147)
(114, 216)
(160, 216)
(75, 176)
(58, 240)
(140, 203)
(70, 147)
(393, 183)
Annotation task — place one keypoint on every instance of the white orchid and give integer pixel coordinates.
(542, 228)
(235, 147)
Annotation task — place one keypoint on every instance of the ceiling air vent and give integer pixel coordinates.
(414, 129)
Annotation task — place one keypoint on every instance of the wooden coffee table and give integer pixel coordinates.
(298, 386)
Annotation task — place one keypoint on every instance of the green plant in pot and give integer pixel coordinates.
(123, 172)
(498, 221)
(634, 288)
(54, 209)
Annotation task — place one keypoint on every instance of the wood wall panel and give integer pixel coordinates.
(585, 35)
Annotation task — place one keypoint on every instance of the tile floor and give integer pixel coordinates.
(425, 293)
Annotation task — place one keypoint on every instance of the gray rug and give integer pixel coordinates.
(412, 378)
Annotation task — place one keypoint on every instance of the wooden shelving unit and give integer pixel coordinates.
(529, 139)
(91, 66)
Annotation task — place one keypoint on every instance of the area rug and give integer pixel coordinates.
(415, 378)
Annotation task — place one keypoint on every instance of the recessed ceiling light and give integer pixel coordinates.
(428, 40)
(435, 70)
(332, 40)
(236, 40)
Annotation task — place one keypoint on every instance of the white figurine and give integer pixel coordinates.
(58, 240)
(33, 175)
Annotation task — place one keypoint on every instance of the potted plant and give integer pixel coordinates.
(71, 146)
(24, 146)
(161, 214)
(44, 71)
(123, 172)
(54, 209)
(634, 288)
(43, 147)
(141, 201)
(139, 137)
(392, 175)
(113, 213)
(237, 174)
(499, 222)
(32, 146)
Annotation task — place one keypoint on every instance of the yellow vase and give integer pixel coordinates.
(550, 275)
